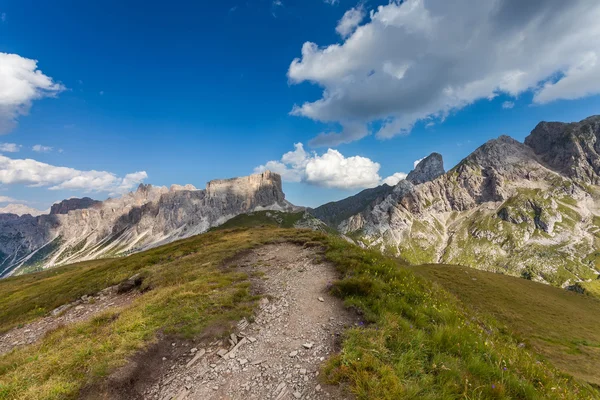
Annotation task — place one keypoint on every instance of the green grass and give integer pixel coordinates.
(263, 218)
(561, 325)
(422, 343)
(591, 288)
(419, 341)
(189, 292)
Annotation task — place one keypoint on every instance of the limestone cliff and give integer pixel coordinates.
(136, 221)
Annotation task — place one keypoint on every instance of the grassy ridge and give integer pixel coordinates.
(424, 344)
(190, 292)
(562, 325)
(421, 343)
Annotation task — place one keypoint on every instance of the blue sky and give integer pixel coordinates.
(192, 91)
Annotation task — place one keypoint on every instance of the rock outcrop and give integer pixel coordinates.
(65, 206)
(572, 149)
(148, 217)
(336, 212)
(427, 169)
(527, 209)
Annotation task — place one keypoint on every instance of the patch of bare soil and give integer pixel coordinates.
(279, 354)
(80, 310)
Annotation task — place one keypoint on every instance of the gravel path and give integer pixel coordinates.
(279, 354)
(80, 310)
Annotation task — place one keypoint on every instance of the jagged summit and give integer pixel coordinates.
(571, 149)
(427, 169)
(521, 208)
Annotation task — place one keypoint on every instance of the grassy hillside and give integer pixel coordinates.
(563, 326)
(419, 340)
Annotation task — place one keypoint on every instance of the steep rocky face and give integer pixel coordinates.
(572, 149)
(507, 207)
(427, 169)
(148, 217)
(336, 211)
(65, 206)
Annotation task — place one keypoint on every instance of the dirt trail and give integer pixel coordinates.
(80, 310)
(279, 354)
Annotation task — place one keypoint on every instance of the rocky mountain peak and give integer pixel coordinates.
(570, 148)
(265, 185)
(427, 169)
(504, 157)
(65, 206)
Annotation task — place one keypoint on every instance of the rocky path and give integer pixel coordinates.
(279, 354)
(77, 311)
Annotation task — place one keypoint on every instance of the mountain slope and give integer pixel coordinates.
(335, 212)
(419, 341)
(83, 229)
(508, 207)
(561, 325)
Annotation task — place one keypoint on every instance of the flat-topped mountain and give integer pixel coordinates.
(65, 206)
(82, 229)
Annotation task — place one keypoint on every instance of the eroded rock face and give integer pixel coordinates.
(427, 169)
(148, 217)
(526, 209)
(572, 149)
(72, 204)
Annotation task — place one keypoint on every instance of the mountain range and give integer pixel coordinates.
(527, 209)
(84, 229)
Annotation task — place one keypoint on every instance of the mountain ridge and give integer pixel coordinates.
(509, 207)
(148, 217)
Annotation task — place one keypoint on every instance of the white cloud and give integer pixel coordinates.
(41, 149)
(20, 84)
(6, 199)
(416, 162)
(394, 179)
(418, 60)
(350, 21)
(9, 147)
(331, 169)
(331, 2)
(38, 174)
(508, 105)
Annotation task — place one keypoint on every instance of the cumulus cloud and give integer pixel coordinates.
(9, 147)
(331, 169)
(394, 179)
(416, 162)
(41, 149)
(38, 174)
(417, 60)
(6, 199)
(351, 19)
(507, 105)
(21, 82)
